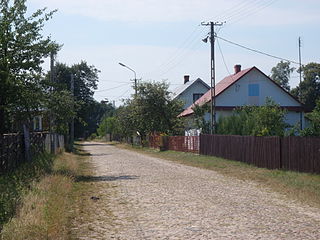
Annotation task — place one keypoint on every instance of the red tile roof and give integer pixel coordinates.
(220, 87)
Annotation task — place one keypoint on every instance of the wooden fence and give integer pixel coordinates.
(13, 150)
(288, 153)
(184, 144)
(175, 143)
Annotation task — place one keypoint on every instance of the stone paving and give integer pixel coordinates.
(152, 198)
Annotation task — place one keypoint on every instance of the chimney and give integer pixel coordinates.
(186, 78)
(237, 68)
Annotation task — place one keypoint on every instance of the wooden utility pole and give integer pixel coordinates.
(213, 80)
(300, 77)
(72, 121)
(51, 119)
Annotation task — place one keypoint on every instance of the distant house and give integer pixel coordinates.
(190, 91)
(249, 87)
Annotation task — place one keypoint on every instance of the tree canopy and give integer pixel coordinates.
(281, 74)
(22, 51)
(89, 112)
(314, 118)
(310, 86)
(151, 110)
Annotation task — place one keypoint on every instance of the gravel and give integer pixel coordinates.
(152, 198)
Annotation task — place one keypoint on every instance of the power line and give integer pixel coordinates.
(250, 11)
(108, 89)
(257, 51)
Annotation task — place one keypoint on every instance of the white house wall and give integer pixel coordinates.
(292, 118)
(238, 93)
(187, 95)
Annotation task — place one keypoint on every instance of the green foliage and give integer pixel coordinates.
(22, 51)
(314, 116)
(199, 117)
(281, 74)
(267, 120)
(107, 126)
(14, 184)
(310, 86)
(152, 110)
(88, 112)
(63, 108)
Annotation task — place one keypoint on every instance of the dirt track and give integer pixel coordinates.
(150, 198)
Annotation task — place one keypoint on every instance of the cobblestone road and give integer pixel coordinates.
(152, 198)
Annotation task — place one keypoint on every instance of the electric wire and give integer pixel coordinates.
(108, 89)
(233, 14)
(253, 11)
(256, 51)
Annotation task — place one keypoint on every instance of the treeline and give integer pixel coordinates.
(27, 91)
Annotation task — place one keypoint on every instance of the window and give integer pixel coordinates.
(196, 96)
(253, 90)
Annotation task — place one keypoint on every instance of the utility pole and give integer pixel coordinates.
(212, 70)
(300, 76)
(51, 119)
(72, 120)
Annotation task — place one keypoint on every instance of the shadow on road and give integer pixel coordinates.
(100, 154)
(104, 178)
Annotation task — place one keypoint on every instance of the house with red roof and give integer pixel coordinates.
(249, 87)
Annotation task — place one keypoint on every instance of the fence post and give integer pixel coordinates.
(164, 141)
(26, 136)
(280, 151)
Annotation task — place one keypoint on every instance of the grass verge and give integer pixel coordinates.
(14, 184)
(46, 209)
(302, 187)
(54, 201)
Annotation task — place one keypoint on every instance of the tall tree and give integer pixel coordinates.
(22, 51)
(151, 110)
(90, 112)
(281, 74)
(310, 86)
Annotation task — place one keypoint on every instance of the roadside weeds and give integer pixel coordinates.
(59, 204)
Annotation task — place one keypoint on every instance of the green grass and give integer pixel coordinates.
(302, 187)
(54, 202)
(15, 183)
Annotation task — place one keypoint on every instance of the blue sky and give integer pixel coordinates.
(161, 40)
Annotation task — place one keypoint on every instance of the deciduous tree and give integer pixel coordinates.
(281, 74)
(22, 51)
(310, 86)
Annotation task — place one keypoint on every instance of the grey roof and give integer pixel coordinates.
(176, 92)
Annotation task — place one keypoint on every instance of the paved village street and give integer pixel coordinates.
(151, 198)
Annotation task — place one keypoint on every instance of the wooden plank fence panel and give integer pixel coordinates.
(301, 154)
(184, 143)
(258, 151)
